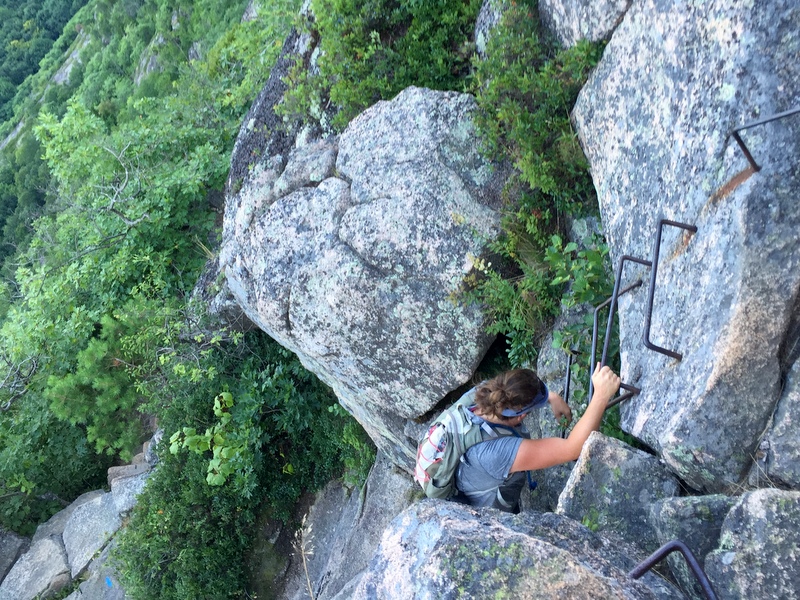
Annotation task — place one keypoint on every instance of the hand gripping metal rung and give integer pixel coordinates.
(631, 390)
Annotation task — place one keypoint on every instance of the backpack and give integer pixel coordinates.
(444, 443)
(440, 449)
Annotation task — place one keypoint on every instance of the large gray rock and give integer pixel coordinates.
(101, 582)
(654, 121)
(696, 521)
(573, 20)
(125, 491)
(758, 555)
(439, 549)
(41, 572)
(88, 529)
(612, 488)
(11, 546)
(345, 529)
(55, 525)
(354, 267)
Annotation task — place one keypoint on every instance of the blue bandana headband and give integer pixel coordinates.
(539, 400)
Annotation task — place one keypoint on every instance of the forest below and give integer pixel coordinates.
(118, 121)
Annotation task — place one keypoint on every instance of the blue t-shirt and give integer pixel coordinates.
(483, 475)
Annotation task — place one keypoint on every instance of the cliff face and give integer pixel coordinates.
(654, 120)
(348, 249)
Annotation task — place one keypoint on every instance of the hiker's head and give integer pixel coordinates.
(511, 394)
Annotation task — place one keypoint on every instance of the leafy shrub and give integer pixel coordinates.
(373, 50)
(525, 91)
(186, 538)
(100, 393)
(44, 463)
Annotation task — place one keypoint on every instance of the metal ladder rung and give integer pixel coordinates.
(676, 545)
(735, 133)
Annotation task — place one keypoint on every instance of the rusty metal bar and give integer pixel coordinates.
(676, 545)
(740, 141)
(597, 310)
(566, 390)
(651, 293)
(632, 391)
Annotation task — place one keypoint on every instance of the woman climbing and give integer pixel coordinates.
(492, 472)
(479, 452)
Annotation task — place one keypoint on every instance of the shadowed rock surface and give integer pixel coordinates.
(11, 546)
(694, 520)
(345, 528)
(759, 552)
(780, 462)
(613, 486)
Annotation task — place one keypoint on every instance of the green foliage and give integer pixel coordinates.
(586, 270)
(27, 32)
(591, 520)
(100, 393)
(525, 91)
(99, 235)
(273, 436)
(517, 304)
(114, 39)
(185, 538)
(373, 50)
(226, 443)
(240, 62)
(42, 459)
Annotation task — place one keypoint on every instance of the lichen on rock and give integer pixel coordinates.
(354, 266)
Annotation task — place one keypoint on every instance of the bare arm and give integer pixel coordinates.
(548, 452)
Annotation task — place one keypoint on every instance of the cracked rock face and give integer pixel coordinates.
(439, 549)
(654, 121)
(349, 251)
(782, 443)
